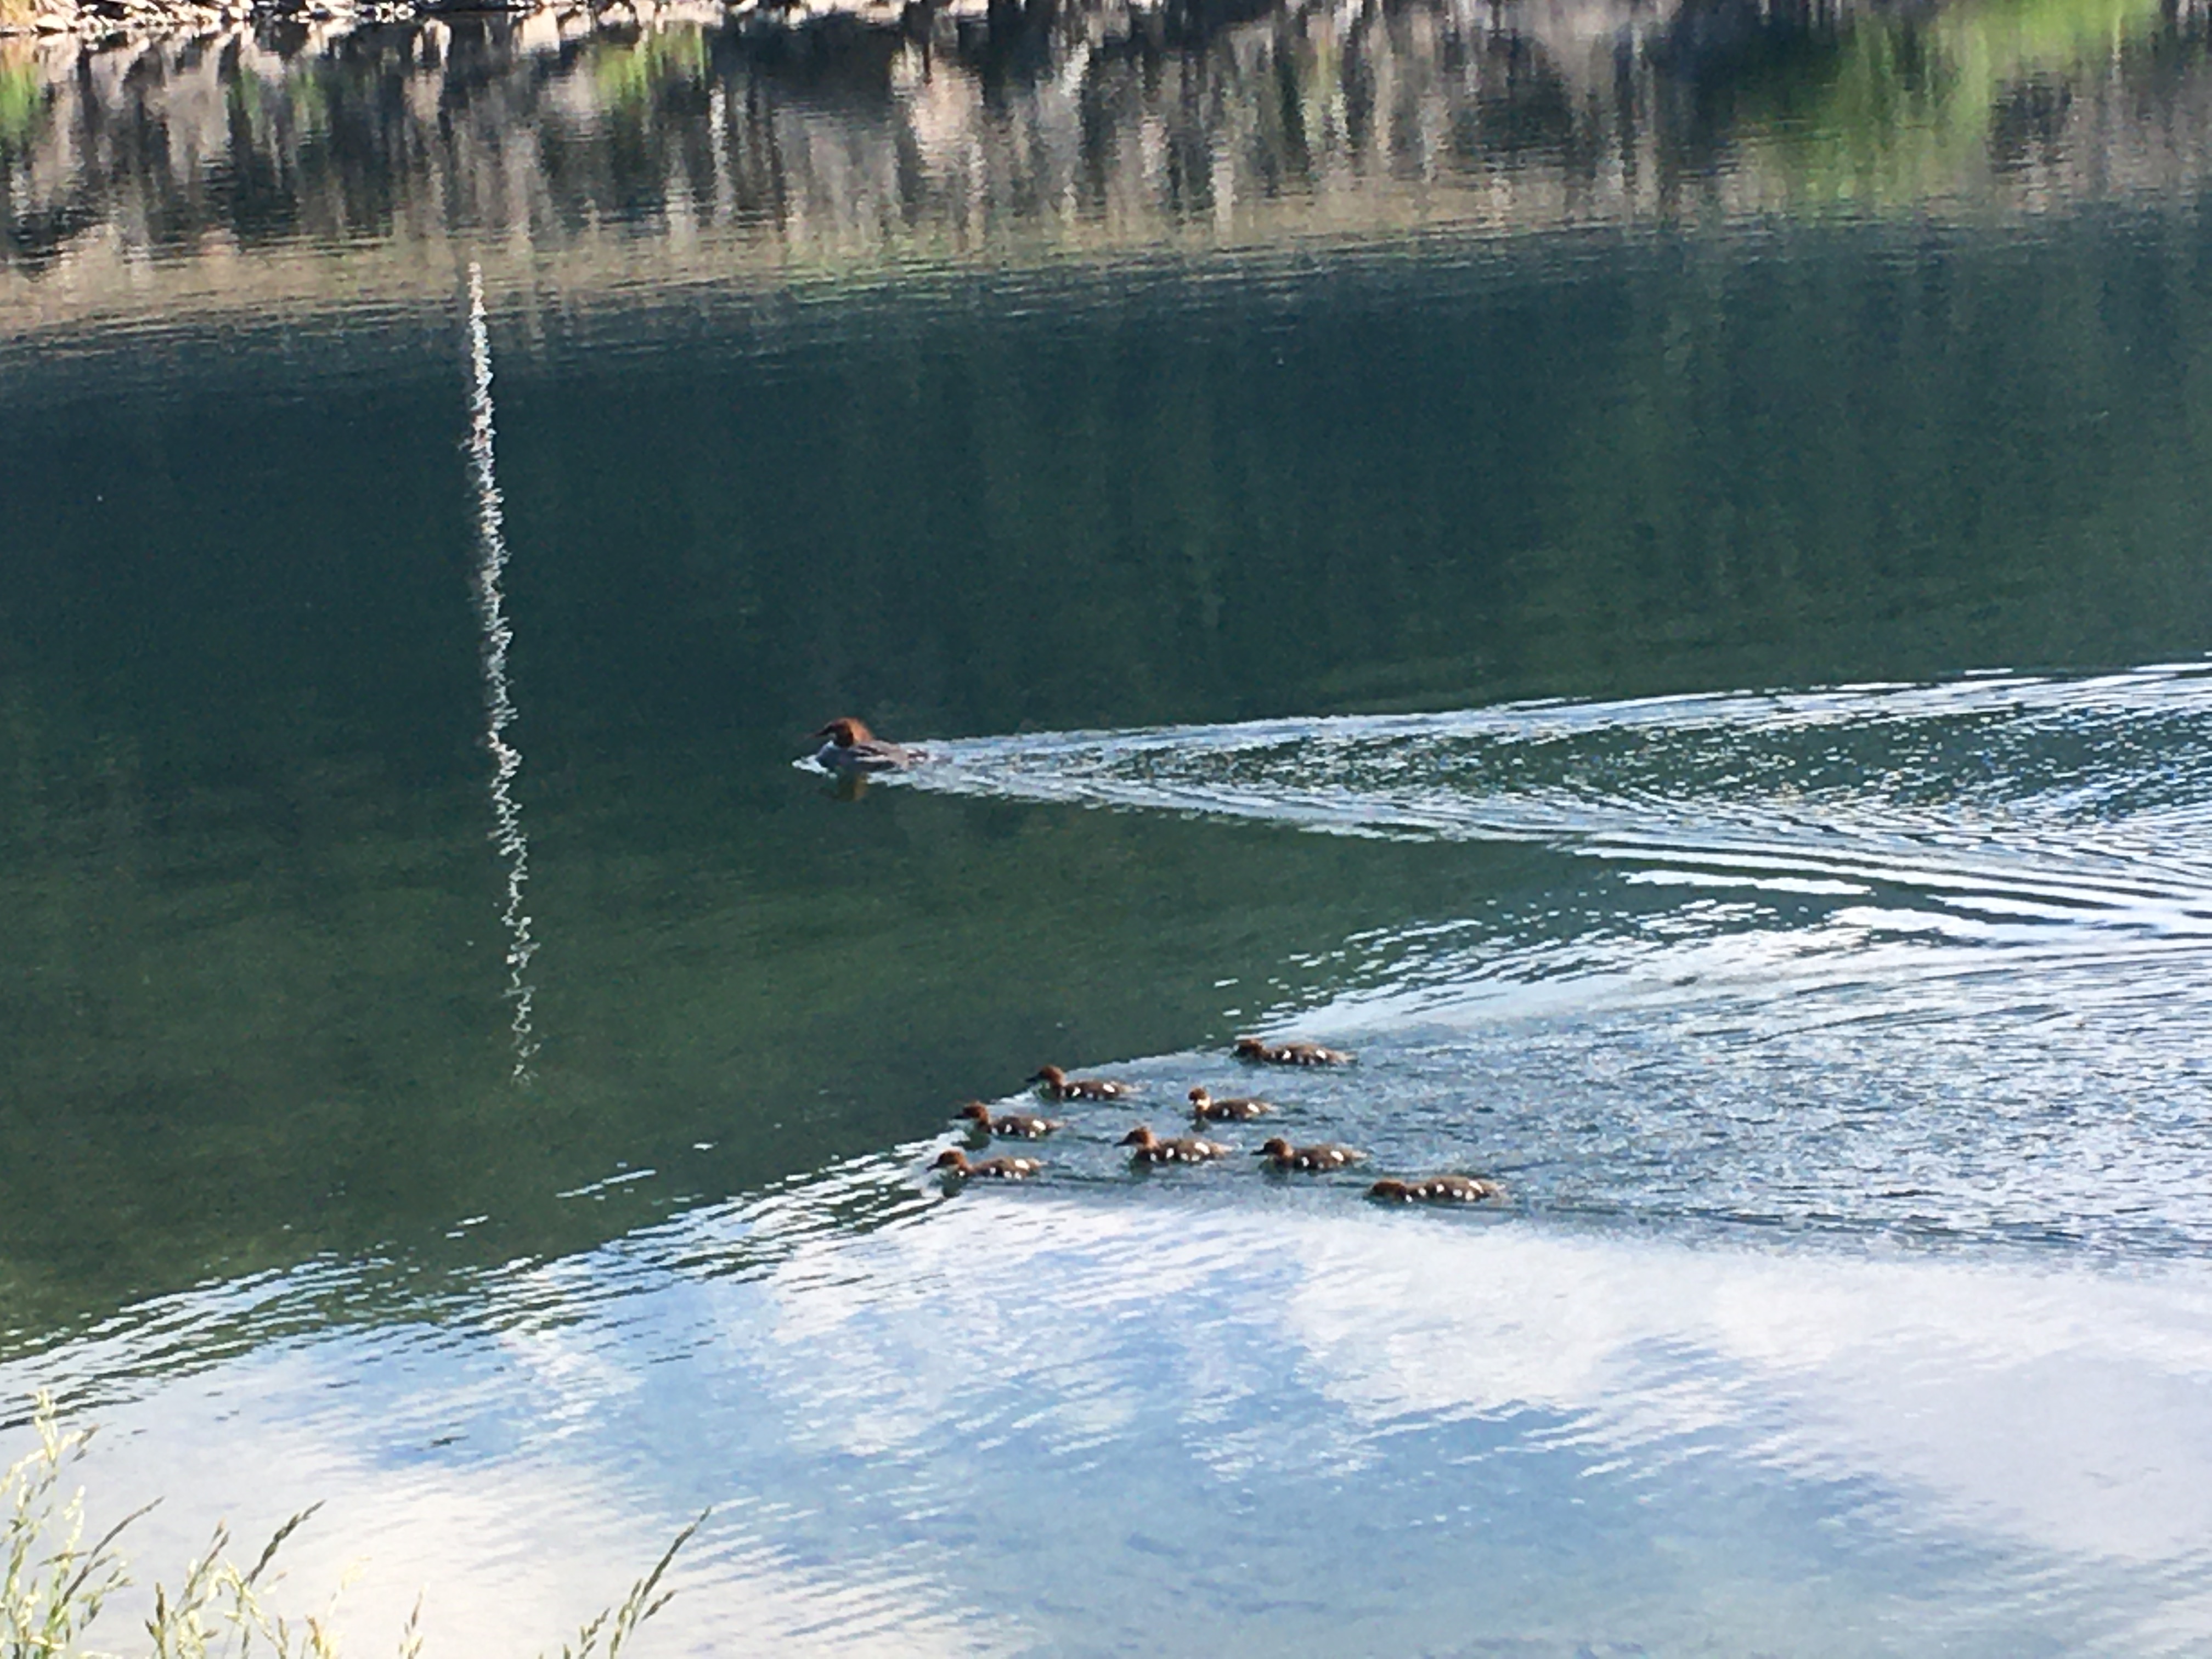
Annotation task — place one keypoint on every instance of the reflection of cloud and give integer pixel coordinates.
(2063, 1410)
(2066, 1410)
(993, 1401)
(507, 1557)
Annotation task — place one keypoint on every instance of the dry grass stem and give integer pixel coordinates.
(53, 1586)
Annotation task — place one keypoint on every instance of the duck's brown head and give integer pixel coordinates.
(1277, 1147)
(845, 731)
(977, 1110)
(1199, 1097)
(950, 1159)
(1397, 1189)
(1251, 1048)
(1051, 1074)
(1140, 1136)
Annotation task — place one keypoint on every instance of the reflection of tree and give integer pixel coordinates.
(1082, 123)
(1912, 105)
(22, 98)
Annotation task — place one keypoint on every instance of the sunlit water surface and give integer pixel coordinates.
(459, 1069)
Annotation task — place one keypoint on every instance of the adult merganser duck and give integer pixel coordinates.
(1327, 1155)
(1289, 1053)
(1438, 1189)
(1205, 1107)
(1151, 1149)
(1019, 1124)
(851, 747)
(990, 1169)
(1055, 1084)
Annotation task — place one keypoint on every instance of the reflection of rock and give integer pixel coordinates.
(819, 136)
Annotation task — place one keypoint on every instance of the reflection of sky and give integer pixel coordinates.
(1212, 1413)
(1085, 1424)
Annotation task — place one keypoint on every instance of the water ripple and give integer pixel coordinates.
(1913, 959)
(1030, 1420)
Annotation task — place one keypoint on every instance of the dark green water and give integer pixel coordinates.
(1486, 572)
(249, 876)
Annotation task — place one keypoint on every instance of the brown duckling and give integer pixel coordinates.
(1055, 1084)
(990, 1169)
(1151, 1149)
(1436, 1189)
(1289, 1053)
(1326, 1156)
(851, 747)
(1205, 1109)
(1015, 1125)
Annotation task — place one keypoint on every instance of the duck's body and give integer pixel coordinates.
(1015, 1125)
(1207, 1109)
(1146, 1147)
(1289, 1053)
(1055, 1084)
(990, 1169)
(1436, 1189)
(1325, 1155)
(849, 746)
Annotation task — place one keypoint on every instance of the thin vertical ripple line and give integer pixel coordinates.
(499, 704)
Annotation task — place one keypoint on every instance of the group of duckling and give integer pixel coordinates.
(1147, 1148)
(851, 751)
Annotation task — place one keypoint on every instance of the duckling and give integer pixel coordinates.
(1289, 1053)
(1205, 1107)
(851, 747)
(1055, 1084)
(1327, 1155)
(1019, 1124)
(1151, 1149)
(990, 1169)
(1438, 1189)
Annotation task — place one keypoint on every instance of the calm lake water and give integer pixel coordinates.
(1646, 570)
